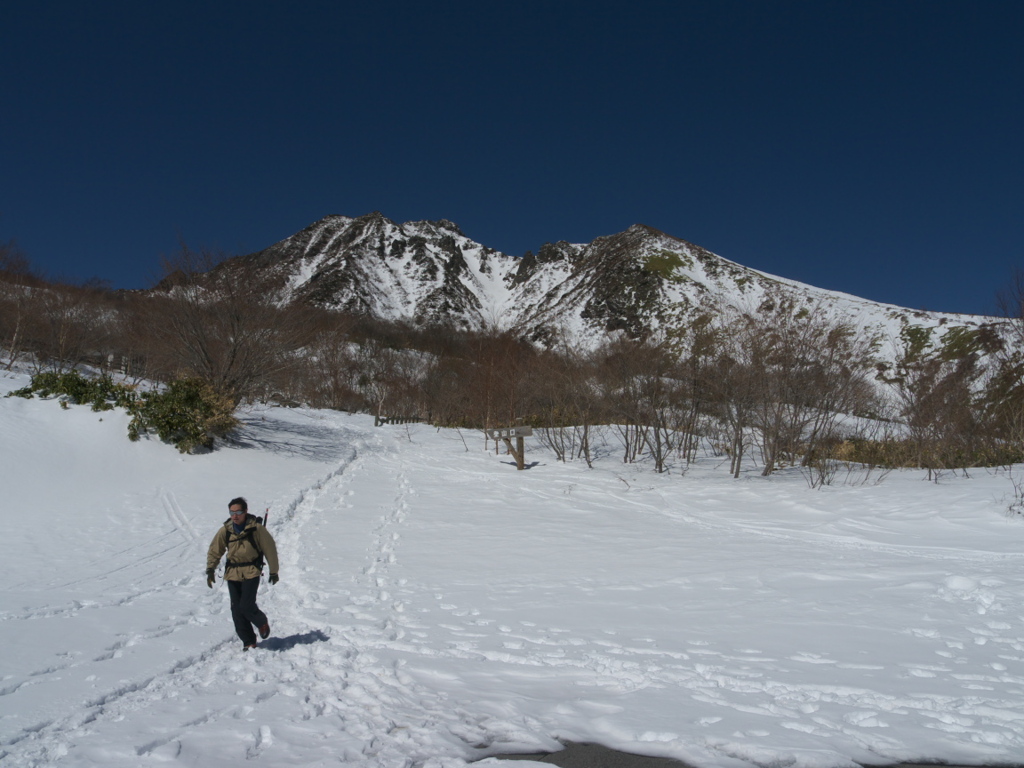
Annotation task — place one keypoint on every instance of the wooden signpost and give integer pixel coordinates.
(519, 451)
(380, 421)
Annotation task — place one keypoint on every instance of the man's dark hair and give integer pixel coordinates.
(240, 502)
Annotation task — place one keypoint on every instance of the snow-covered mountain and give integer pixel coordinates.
(422, 271)
(635, 282)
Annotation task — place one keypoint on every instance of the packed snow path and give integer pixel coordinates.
(436, 606)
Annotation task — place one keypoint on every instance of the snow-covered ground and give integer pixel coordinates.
(437, 606)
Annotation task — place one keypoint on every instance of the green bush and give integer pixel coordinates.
(189, 413)
(71, 386)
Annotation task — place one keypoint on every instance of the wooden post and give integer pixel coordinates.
(518, 451)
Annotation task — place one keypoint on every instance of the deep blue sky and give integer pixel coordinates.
(871, 147)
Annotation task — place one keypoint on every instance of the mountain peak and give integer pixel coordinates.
(451, 226)
(644, 229)
(638, 282)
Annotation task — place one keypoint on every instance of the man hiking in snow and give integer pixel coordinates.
(247, 542)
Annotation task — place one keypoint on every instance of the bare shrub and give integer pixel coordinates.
(17, 282)
(221, 326)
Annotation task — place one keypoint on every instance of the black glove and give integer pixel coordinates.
(273, 578)
(210, 578)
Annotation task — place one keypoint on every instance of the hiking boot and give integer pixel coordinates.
(246, 648)
(265, 631)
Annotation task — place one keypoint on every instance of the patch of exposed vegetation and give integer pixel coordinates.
(188, 413)
(895, 454)
(664, 264)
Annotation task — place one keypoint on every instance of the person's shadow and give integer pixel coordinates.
(284, 643)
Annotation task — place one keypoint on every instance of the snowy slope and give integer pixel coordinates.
(436, 606)
(418, 271)
(643, 279)
(638, 282)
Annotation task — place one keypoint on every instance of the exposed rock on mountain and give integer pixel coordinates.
(636, 282)
(424, 272)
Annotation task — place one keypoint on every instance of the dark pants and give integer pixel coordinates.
(244, 610)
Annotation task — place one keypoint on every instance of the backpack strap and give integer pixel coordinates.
(247, 535)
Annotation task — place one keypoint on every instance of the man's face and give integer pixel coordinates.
(237, 514)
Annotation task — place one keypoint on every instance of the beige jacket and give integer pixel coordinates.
(242, 548)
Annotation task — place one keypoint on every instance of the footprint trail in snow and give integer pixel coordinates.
(437, 607)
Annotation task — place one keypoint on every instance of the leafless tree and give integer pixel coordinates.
(1004, 392)
(566, 402)
(17, 282)
(641, 385)
(811, 370)
(695, 345)
(940, 396)
(733, 379)
(391, 379)
(221, 326)
(69, 324)
(327, 368)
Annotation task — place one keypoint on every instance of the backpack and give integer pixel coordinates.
(247, 535)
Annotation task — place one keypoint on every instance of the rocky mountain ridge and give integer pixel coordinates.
(636, 282)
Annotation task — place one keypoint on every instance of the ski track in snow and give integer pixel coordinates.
(345, 687)
(50, 740)
(376, 669)
(178, 520)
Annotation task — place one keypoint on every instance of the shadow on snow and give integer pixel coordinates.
(285, 643)
(319, 442)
